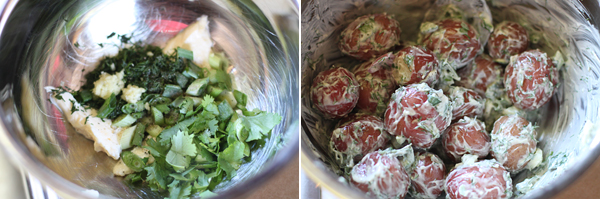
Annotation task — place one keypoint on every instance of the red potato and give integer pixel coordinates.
(513, 142)
(376, 84)
(467, 136)
(484, 179)
(453, 41)
(370, 36)
(360, 135)
(415, 64)
(466, 103)
(334, 92)
(530, 80)
(380, 176)
(428, 176)
(418, 114)
(481, 74)
(508, 39)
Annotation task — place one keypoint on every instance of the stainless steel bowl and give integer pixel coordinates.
(568, 124)
(49, 43)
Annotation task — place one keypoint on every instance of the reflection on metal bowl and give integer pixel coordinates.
(50, 43)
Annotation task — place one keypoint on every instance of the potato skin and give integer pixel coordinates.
(530, 79)
(334, 92)
(370, 36)
(513, 142)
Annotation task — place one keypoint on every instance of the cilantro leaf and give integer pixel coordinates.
(157, 176)
(182, 147)
(231, 158)
(209, 104)
(179, 190)
(260, 124)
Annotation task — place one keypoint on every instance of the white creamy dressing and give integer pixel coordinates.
(404, 67)
(353, 142)
(426, 125)
(462, 108)
(503, 140)
(485, 175)
(542, 90)
(419, 177)
(195, 37)
(369, 29)
(325, 91)
(461, 145)
(512, 40)
(379, 173)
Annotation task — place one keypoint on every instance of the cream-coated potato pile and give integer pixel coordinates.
(425, 118)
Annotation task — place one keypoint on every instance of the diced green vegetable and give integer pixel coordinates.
(108, 107)
(240, 98)
(181, 80)
(172, 90)
(132, 108)
(154, 130)
(138, 135)
(183, 53)
(133, 161)
(158, 116)
(214, 61)
(193, 71)
(229, 97)
(160, 100)
(86, 95)
(214, 91)
(164, 108)
(124, 120)
(197, 87)
(126, 137)
(197, 100)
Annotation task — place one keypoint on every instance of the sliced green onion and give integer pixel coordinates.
(86, 95)
(172, 90)
(132, 108)
(133, 161)
(183, 53)
(159, 100)
(197, 87)
(164, 108)
(193, 71)
(138, 115)
(197, 101)
(154, 130)
(172, 117)
(124, 120)
(181, 80)
(108, 107)
(158, 116)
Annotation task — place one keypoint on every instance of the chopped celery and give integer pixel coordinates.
(197, 87)
(172, 90)
(154, 130)
(214, 61)
(158, 116)
(214, 91)
(229, 97)
(124, 120)
(183, 53)
(108, 107)
(126, 136)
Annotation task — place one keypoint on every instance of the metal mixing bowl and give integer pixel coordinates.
(568, 124)
(49, 43)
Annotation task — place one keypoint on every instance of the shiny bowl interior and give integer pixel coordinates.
(53, 43)
(568, 124)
